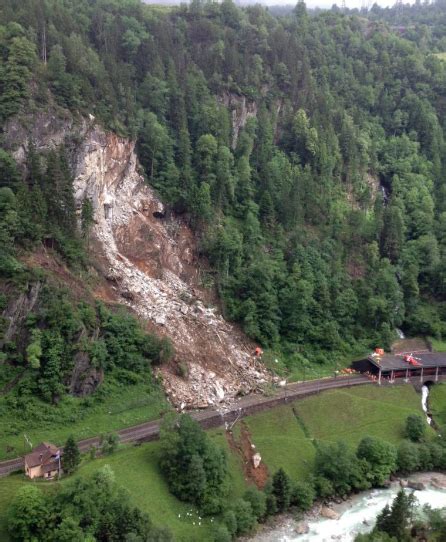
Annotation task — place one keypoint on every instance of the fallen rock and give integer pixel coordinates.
(219, 391)
(302, 528)
(418, 486)
(403, 483)
(128, 295)
(329, 513)
(439, 484)
(256, 460)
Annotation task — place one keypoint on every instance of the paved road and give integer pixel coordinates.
(208, 418)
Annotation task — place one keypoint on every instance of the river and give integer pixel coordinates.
(357, 515)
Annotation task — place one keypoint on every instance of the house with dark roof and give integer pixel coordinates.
(43, 461)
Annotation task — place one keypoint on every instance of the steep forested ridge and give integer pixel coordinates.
(323, 213)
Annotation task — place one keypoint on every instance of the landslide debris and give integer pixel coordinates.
(150, 259)
(147, 259)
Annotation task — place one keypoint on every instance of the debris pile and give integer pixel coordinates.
(150, 261)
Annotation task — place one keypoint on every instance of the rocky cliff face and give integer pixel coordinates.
(147, 259)
(16, 312)
(241, 110)
(151, 265)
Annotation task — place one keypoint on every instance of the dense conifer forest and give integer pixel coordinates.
(306, 150)
(324, 220)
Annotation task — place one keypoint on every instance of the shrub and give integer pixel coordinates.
(324, 488)
(257, 499)
(166, 350)
(341, 466)
(415, 427)
(244, 516)
(183, 370)
(380, 456)
(437, 455)
(408, 459)
(230, 522)
(109, 443)
(271, 505)
(425, 457)
(27, 514)
(303, 495)
(221, 534)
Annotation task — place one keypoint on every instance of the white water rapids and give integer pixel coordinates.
(358, 516)
(365, 509)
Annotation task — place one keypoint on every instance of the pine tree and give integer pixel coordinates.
(282, 490)
(87, 216)
(71, 456)
(395, 520)
(15, 74)
(392, 236)
(9, 175)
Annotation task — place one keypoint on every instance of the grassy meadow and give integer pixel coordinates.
(281, 440)
(437, 403)
(136, 469)
(113, 407)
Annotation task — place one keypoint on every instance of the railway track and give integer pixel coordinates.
(209, 418)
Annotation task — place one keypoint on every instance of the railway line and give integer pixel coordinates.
(227, 415)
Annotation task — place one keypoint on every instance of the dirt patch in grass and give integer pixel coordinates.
(416, 344)
(244, 448)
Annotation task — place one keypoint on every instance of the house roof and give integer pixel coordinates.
(43, 454)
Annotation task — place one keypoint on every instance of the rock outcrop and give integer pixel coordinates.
(16, 313)
(241, 110)
(84, 378)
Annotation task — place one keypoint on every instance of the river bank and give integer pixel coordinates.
(355, 515)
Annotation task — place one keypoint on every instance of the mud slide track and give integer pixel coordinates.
(208, 418)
